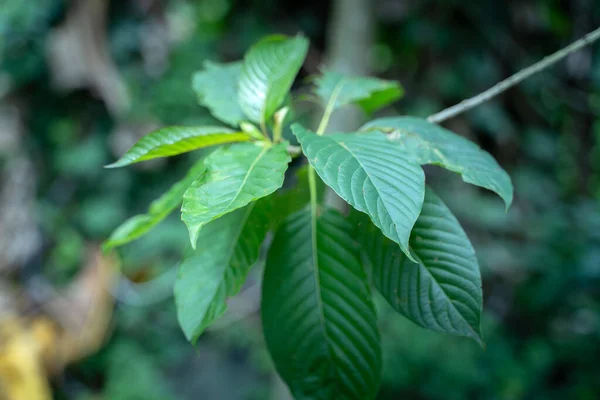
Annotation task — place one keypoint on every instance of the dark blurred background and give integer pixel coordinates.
(81, 81)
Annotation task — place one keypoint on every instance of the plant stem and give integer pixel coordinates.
(278, 126)
(312, 186)
(329, 108)
(514, 79)
(263, 128)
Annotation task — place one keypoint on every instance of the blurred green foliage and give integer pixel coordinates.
(541, 261)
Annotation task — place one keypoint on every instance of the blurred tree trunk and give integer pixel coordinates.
(349, 41)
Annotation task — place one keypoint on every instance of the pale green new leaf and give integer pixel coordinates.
(372, 174)
(268, 71)
(236, 175)
(159, 209)
(174, 140)
(442, 291)
(367, 92)
(216, 270)
(429, 143)
(217, 89)
(318, 318)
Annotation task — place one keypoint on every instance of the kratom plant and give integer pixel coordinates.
(399, 237)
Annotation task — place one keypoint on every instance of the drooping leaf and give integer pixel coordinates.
(174, 140)
(318, 318)
(367, 92)
(131, 229)
(442, 291)
(372, 174)
(268, 71)
(217, 89)
(216, 270)
(236, 175)
(159, 209)
(429, 143)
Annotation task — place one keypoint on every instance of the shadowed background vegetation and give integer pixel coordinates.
(81, 81)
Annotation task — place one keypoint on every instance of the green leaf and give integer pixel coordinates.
(369, 93)
(159, 209)
(290, 200)
(429, 143)
(216, 87)
(236, 175)
(442, 291)
(208, 276)
(372, 174)
(268, 72)
(174, 140)
(318, 318)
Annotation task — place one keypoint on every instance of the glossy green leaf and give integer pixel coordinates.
(369, 93)
(159, 209)
(236, 175)
(318, 318)
(217, 89)
(268, 71)
(372, 174)
(208, 276)
(174, 140)
(442, 291)
(429, 143)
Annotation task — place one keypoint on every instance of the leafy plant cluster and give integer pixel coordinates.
(318, 316)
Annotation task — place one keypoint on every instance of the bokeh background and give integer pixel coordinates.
(82, 80)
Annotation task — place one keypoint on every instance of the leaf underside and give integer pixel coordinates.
(318, 318)
(236, 175)
(372, 174)
(442, 292)
(208, 276)
(159, 209)
(174, 140)
(369, 93)
(429, 143)
(217, 89)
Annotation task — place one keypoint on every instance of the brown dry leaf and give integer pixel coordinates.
(74, 326)
(84, 311)
(22, 374)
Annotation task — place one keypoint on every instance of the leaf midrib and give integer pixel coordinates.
(335, 93)
(248, 173)
(144, 154)
(229, 256)
(238, 234)
(268, 92)
(317, 277)
(424, 267)
(343, 145)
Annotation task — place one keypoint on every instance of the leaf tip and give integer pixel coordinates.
(107, 246)
(116, 164)
(410, 256)
(477, 337)
(193, 230)
(508, 200)
(407, 250)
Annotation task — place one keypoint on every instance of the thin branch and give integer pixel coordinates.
(514, 79)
